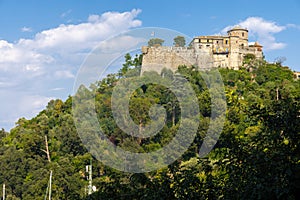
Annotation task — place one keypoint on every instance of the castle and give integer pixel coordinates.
(204, 52)
(297, 75)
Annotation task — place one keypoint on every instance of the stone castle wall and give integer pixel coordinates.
(205, 52)
(157, 58)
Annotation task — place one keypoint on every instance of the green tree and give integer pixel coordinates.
(179, 41)
(155, 42)
(256, 157)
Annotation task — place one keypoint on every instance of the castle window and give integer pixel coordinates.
(226, 42)
(243, 34)
(208, 45)
(217, 42)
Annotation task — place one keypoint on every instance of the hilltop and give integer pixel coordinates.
(257, 155)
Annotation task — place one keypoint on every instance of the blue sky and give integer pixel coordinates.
(43, 43)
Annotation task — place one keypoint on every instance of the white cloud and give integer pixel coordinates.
(57, 89)
(26, 29)
(64, 74)
(63, 15)
(65, 41)
(5, 84)
(121, 43)
(28, 67)
(293, 26)
(17, 105)
(34, 104)
(76, 37)
(263, 31)
(4, 44)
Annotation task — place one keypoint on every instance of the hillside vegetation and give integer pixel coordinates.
(256, 157)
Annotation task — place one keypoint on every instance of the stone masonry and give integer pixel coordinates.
(204, 52)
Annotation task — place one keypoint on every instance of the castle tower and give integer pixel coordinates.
(238, 40)
(241, 33)
(205, 52)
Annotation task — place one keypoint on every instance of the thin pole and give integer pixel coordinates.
(3, 191)
(50, 179)
(50, 184)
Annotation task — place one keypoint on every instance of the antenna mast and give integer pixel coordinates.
(90, 178)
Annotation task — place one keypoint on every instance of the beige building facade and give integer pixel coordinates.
(204, 52)
(297, 75)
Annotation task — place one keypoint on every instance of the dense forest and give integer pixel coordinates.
(256, 157)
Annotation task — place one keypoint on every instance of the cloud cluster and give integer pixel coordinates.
(30, 68)
(263, 31)
(26, 29)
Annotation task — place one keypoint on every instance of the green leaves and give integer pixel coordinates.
(154, 42)
(179, 41)
(256, 157)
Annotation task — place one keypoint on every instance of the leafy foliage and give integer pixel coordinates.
(154, 42)
(256, 157)
(179, 41)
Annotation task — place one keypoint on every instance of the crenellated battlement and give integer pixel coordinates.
(204, 52)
